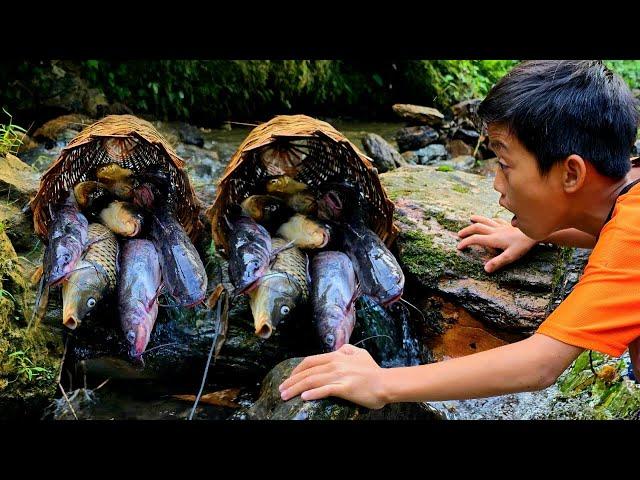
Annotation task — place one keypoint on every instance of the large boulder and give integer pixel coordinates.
(431, 207)
(384, 156)
(18, 181)
(415, 138)
(419, 115)
(271, 407)
(61, 130)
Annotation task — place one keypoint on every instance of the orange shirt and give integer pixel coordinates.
(603, 311)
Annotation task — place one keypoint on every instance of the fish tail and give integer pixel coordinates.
(40, 307)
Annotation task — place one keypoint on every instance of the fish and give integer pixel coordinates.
(267, 210)
(94, 277)
(139, 285)
(284, 185)
(122, 218)
(118, 180)
(284, 287)
(92, 198)
(378, 271)
(338, 201)
(183, 272)
(250, 253)
(67, 239)
(303, 202)
(333, 295)
(153, 186)
(304, 232)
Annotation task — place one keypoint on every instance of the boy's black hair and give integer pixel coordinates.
(561, 107)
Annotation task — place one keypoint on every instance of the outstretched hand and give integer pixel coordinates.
(349, 373)
(496, 233)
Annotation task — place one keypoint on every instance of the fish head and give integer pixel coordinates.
(81, 292)
(273, 302)
(388, 278)
(334, 328)
(138, 336)
(64, 253)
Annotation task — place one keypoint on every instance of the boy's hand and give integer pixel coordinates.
(496, 233)
(348, 373)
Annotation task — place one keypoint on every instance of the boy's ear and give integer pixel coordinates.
(574, 173)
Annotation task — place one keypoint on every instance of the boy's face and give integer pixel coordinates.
(538, 203)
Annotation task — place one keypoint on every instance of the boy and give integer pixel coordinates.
(563, 133)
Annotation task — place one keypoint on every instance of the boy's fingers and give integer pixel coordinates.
(484, 220)
(320, 392)
(498, 262)
(313, 361)
(482, 240)
(475, 228)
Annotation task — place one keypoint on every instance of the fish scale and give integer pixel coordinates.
(293, 262)
(103, 252)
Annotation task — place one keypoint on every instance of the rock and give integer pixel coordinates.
(410, 158)
(431, 154)
(466, 108)
(468, 136)
(115, 108)
(95, 102)
(431, 207)
(414, 138)
(419, 115)
(27, 143)
(636, 148)
(21, 349)
(458, 147)
(204, 168)
(190, 135)
(462, 162)
(62, 130)
(17, 225)
(384, 156)
(270, 406)
(169, 132)
(18, 181)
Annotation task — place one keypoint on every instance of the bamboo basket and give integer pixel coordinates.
(310, 151)
(132, 143)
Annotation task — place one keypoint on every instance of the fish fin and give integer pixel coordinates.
(356, 293)
(155, 296)
(40, 307)
(277, 251)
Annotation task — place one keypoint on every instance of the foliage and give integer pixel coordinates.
(26, 366)
(11, 136)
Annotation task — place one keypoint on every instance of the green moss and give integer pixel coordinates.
(422, 258)
(449, 224)
(445, 168)
(460, 188)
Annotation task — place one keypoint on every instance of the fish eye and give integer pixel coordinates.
(131, 336)
(91, 302)
(284, 310)
(330, 339)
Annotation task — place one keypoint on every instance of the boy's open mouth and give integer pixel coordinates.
(514, 221)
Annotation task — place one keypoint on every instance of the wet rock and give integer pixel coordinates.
(115, 108)
(17, 225)
(432, 206)
(470, 137)
(466, 108)
(419, 115)
(415, 138)
(636, 148)
(27, 143)
(18, 181)
(29, 359)
(486, 168)
(384, 156)
(190, 135)
(410, 158)
(457, 148)
(464, 163)
(271, 407)
(204, 168)
(431, 154)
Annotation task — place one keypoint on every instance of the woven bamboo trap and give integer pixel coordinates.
(132, 143)
(310, 151)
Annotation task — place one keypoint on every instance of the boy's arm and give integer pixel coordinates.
(352, 374)
(498, 233)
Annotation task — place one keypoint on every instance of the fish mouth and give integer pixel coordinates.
(264, 329)
(71, 322)
(325, 239)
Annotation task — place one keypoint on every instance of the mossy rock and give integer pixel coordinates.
(271, 407)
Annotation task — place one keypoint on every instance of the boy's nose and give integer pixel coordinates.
(498, 183)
